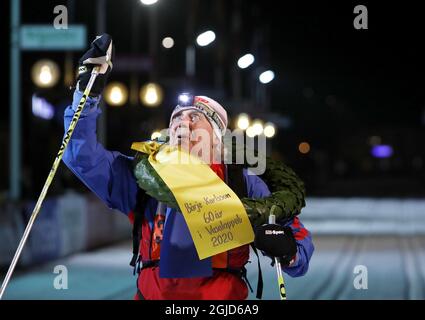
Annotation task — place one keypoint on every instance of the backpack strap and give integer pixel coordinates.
(139, 210)
(260, 274)
(236, 180)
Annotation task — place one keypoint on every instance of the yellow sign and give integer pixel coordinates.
(214, 214)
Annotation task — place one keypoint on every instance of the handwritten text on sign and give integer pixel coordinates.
(214, 214)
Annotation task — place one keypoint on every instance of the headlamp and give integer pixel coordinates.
(185, 99)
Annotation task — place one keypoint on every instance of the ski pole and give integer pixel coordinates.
(49, 179)
(280, 280)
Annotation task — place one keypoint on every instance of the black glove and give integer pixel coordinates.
(101, 53)
(276, 241)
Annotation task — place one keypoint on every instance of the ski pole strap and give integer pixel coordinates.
(260, 275)
(245, 278)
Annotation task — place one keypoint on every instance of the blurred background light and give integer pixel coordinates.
(151, 95)
(243, 121)
(168, 42)
(205, 38)
(155, 135)
(269, 130)
(257, 127)
(245, 61)
(304, 147)
(148, 2)
(382, 151)
(41, 108)
(266, 76)
(250, 132)
(116, 94)
(375, 140)
(45, 73)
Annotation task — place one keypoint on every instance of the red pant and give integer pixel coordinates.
(221, 286)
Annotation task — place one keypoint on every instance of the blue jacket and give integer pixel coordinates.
(109, 175)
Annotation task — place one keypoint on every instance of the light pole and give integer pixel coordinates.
(100, 29)
(153, 36)
(153, 41)
(190, 48)
(15, 103)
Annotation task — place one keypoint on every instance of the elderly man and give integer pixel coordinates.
(170, 267)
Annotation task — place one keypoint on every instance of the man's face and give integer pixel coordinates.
(192, 130)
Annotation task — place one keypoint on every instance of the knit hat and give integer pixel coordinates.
(212, 110)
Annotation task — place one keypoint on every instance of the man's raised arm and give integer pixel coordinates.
(107, 173)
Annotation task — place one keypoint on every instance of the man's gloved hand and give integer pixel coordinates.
(101, 53)
(276, 241)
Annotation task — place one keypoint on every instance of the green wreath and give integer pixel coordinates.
(287, 189)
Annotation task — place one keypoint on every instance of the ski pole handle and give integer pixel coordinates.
(272, 216)
(280, 279)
